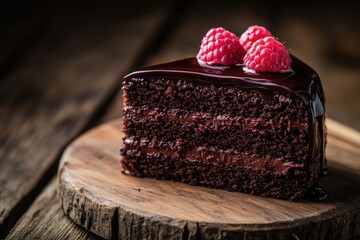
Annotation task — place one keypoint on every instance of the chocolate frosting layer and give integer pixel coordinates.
(302, 82)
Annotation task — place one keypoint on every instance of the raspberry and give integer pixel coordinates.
(267, 55)
(220, 47)
(252, 34)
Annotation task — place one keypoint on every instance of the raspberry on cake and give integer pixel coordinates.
(252, 34)
(226, 128)
(267, 55)
(221, 47)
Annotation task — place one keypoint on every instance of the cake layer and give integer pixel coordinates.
(133, 147)
(184, 117)
(291, 146)
(168, 94)
(263, 182)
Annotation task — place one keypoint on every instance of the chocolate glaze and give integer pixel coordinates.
(302, 82)
(299, 81)
(316, 193)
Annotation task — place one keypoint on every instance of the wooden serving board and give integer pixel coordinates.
(96, 195)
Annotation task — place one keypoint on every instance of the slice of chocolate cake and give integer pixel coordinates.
(225, 127)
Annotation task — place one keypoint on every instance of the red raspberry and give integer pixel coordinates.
(267, 55)
(252, 34)
(220, 47)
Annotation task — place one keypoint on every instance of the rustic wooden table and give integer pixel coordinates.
(61, 67)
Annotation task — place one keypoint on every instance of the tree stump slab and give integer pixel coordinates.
(95, 194)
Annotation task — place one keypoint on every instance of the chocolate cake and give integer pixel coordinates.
(227, 128)
(244, 115)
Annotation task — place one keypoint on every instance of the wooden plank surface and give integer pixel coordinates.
(54, 94)
(46, 219)
(94, 192)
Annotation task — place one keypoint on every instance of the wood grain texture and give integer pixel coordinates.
(343, 132)
(60, 84)
(45, 219)
(96, 195)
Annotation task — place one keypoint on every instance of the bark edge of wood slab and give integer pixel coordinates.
(96, 195)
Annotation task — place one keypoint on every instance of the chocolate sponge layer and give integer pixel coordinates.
(168, 94)
(267, 183)
(278, 143)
